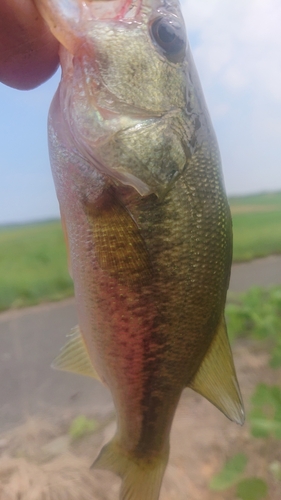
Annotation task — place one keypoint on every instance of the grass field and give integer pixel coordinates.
(33, 258)
(33, 265)
(256, 225)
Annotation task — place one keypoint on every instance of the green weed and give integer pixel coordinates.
(81, 426)
(265, 421)
(257, 314)
(252, 488)
(265, 416)
(231, 475)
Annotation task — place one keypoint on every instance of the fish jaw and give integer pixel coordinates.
(71, 20)
(67, 19)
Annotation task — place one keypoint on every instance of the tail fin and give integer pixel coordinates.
(142, 478)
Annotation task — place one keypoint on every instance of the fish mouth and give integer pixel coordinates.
(67, 19)
(114, 9)
(124, 10)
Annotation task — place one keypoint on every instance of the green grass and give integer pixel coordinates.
(33, 265)
(33, 258)
(256, 235)
(256, 226)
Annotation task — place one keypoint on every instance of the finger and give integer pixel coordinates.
(28, 50)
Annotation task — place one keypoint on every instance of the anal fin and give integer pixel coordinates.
(216, 378)
(74, 356)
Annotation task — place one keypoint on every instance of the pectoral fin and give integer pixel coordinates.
(119, 246)
(74, 357)
(216, 378)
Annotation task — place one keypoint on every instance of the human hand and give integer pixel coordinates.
(28, 50)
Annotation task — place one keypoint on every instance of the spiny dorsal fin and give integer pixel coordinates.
(216, 378)
(74, 356)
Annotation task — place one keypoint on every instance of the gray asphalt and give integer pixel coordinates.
(31, 338)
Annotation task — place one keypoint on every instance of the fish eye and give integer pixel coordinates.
(169, 36)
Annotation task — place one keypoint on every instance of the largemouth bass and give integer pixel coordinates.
(147, 224)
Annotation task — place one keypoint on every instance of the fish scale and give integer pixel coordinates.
(146, 222)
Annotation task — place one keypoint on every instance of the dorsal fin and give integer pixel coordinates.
(74, 356)
(216, 378)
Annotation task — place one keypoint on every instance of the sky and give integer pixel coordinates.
(237, 51)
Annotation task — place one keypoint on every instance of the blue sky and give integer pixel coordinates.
(26, 188)
(236, 47)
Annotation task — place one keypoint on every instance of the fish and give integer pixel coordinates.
(146, 221)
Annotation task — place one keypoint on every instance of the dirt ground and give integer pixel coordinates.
(38, 461)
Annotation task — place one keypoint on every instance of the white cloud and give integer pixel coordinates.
(237, 49)
(238, 38)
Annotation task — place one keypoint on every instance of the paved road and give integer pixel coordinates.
(259, 272)
(31, 338)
